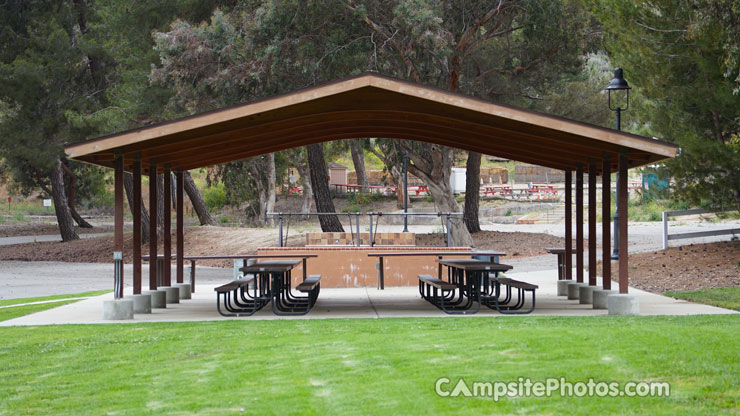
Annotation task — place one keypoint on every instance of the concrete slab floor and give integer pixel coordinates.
(393, 302)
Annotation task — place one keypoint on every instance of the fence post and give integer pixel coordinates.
(665, 230)
(280, 230)
(357, 218)
(370, 241)
(449, 243)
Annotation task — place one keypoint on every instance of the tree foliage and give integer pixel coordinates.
(675, 54)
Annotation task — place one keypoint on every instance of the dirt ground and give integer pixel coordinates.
(516, 244)
(688, 267)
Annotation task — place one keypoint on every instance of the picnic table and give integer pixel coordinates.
(473, 281)
(463, 288)
(422, 188)
(293, 189)
(274, 279)
(560, 252)
(439, 254)
(494, 189)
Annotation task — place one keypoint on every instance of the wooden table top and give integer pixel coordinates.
(474, 265)
(555, 250)
(271, 266)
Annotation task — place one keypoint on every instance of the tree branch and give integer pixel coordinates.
(660, 30)
(413, 72)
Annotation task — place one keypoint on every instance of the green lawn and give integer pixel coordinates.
(366, 366)
(724, 297)
(7, 302)
(16, 311)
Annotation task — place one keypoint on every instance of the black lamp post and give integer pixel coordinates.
(618, 83)
(405, 192)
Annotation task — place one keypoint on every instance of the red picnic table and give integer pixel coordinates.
(494, 189)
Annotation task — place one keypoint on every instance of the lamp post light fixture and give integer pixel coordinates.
(405, 192)
(618, 83)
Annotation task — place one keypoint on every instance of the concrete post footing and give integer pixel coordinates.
(585, 294)
(600, 297)
(573, 290)
(142, 303)
(185, 292)
(159, 299)
(172, 293)
(118, 309)
(563, 287)
(623, 304)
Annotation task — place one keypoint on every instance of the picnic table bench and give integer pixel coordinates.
(236, 298)
(503, 306)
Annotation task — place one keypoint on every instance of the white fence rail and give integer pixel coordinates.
(697, 234)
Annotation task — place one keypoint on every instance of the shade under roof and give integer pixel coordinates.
(365, 106)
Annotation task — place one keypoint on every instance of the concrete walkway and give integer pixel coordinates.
(394, 302)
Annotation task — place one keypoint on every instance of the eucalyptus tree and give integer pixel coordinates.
(678, 55)
(509, 50)
(257, 50)
(48, 73)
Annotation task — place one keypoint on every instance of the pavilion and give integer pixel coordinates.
(371, 105)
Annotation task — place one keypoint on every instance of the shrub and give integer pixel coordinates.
(215, 197)
(351, 208)
(679, 205)
(361, 198)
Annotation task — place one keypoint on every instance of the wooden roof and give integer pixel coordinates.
(364, 106)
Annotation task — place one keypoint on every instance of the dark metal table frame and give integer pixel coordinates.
(471, 276)
(277, 274)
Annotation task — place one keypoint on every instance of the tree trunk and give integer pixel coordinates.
(262, 173)
(472, 191)
(128, 185)
(433, 165)
(320, 185)
(71, 198)
(173, 188)
(196, 199)
(445, 201)
(358, 159)
(397, 177)
(58, 193)
(307, 190)
(388, 154)
(271, 184)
